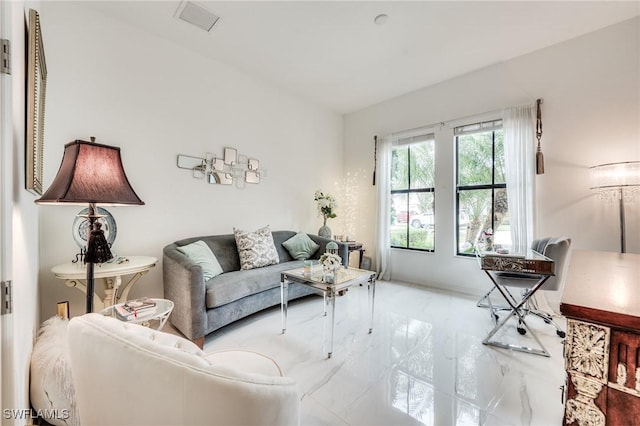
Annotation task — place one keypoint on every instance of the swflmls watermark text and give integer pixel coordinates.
(28, 413)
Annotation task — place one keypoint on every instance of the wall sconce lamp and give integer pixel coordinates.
(91, 173)
(617, 180)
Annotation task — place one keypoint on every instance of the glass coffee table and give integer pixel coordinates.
(156, 318)
(345, 278)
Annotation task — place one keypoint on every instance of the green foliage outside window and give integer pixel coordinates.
(482, 194)
(412, 193)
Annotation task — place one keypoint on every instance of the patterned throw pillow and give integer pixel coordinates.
(256, 249)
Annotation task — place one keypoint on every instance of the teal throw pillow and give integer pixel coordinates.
(300, 246)
(200, 253)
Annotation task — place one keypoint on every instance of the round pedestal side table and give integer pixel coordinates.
(75, 275)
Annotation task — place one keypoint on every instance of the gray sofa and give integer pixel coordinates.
(202, 307)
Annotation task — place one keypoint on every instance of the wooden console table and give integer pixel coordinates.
(601, 301)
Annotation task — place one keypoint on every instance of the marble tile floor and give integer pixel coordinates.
(424, 363)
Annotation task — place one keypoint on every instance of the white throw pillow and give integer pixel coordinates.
(52, 391)
(200, 253)
(256, 249)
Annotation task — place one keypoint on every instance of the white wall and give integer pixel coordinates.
(19, 327)
(591, 115)
(156, 100)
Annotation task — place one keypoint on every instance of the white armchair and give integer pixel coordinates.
(126, 374)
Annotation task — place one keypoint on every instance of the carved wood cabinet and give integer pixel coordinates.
(601, 301)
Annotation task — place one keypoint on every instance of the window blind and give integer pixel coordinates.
(483, 126)
(429, 137)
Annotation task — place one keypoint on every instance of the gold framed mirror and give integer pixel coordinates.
(36, 90)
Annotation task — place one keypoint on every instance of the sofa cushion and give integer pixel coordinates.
(235, 285)
(255, 249)
(200, 253)
(300, 246)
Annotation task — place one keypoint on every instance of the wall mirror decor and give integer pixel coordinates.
(221, 178)
(36, 90)
(197, 165)
(230, 155)
(218, 164)
(252, 177)
(231, 168)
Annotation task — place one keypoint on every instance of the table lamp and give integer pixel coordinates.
(91, 173)
(617, 180)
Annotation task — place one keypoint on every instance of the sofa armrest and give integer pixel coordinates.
(183, 282)
(343, 248)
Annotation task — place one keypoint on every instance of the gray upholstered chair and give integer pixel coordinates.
(557, 249)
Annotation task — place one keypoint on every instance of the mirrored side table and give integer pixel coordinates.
(157, 318)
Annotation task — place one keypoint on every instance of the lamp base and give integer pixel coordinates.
(97, 252)
(623, 242)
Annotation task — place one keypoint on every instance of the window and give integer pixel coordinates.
(412, 193)
(481, 190)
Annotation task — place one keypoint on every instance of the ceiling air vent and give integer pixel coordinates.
(197, 15)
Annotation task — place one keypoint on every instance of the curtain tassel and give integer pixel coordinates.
(375, 158)
(539, 156)
(539, 160)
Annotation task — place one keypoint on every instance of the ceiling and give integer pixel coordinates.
(333, 53)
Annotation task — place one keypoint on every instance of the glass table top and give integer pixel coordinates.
(162, 309)
(316, 275)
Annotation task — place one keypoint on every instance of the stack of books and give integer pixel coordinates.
(136, 308)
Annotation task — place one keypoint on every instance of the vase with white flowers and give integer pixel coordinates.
(326, 209)
(330, 262)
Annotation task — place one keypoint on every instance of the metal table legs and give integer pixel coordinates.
(516, 310)
(329, 305)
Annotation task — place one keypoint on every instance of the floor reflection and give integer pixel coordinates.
(424, 363)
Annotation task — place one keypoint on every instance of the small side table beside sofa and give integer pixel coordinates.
(158, 317)
(74, 275)
(354, 246)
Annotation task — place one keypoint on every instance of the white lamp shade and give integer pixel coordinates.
(614, 176)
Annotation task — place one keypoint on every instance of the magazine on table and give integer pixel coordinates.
(138, 313)
(139, 304)
(135, 308)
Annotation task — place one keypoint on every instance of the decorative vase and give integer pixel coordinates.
(325, 231)
(329, 275)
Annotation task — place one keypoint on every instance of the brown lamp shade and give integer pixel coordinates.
(90, 173)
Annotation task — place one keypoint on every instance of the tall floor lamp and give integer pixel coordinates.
(91, 173)
(617, 180)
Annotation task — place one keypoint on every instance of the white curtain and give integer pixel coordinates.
(383, 201)
(519, 152)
